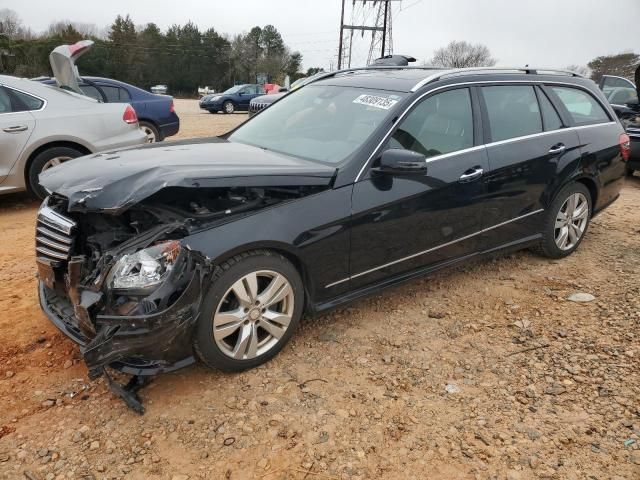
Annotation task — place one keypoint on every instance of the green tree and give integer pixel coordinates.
(621, 65)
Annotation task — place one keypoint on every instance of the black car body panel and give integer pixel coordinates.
(349, 228)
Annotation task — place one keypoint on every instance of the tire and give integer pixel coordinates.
(47, 159)
(151, 131)
(224, 312)
(552, 244)
(228, 107)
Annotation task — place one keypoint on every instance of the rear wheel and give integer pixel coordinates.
(253, 307)
(567, 221)
(228, 107)
(150, 131)
(45, 160)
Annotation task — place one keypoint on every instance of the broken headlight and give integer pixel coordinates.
(145, 268)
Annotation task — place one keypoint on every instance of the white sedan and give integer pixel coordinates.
(42, 126)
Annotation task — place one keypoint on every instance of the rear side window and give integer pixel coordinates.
(5, 101)
(441, 124)
(91, 91)
(23, 102)
(583, 108)
(550, 117)
(513, 111)
(115, 94)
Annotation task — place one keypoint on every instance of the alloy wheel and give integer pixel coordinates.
(54, 162)
(150, 134)
(571, 221)
(253, 315)
(228, 107)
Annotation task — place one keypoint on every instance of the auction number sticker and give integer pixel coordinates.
(384, 103)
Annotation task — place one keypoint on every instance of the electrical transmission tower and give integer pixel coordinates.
(362, 13)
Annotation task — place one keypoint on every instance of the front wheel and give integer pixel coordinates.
(254, 305)
(228, 107)
(566, 222)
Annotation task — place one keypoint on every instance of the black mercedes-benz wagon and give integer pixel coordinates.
(213, 249)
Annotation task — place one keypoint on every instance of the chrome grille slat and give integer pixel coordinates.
(52, 254)
(54, 234)
(50, 243)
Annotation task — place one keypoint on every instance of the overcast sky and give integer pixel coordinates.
(553, 33)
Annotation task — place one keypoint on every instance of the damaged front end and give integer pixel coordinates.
(126, 287)
(129, 295)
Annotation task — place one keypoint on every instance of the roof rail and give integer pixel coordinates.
(487, 70)
(324, 75)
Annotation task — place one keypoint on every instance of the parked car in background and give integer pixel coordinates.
(232, 100)
(623, 96)
(206, 91)
(213, 250)
(159, 89)
(43, 126)
(265, 101)
(156, 113)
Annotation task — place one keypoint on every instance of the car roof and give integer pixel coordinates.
(411, 79)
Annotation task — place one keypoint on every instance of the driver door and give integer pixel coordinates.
(407, 222)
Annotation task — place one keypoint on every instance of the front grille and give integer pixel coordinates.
(256, 107)
(54, 234)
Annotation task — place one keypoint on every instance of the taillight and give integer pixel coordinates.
(171, 107)
(129, 115)
(625, 147)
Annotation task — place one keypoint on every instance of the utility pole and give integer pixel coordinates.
(341, 36)
(381, 36)
(384, 31)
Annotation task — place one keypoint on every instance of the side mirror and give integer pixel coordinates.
(283, 90)
(402, 162)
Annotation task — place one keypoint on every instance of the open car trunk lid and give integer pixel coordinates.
(63, 64)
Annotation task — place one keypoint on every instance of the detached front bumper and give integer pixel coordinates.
(137, 345)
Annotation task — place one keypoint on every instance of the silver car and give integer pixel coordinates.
(42, 126)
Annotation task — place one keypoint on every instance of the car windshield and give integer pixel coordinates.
(319, 122)
(235, 89)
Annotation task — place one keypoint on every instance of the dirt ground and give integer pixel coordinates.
(487, 371)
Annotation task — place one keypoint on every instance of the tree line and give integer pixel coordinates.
(182, 57)
(461, 54)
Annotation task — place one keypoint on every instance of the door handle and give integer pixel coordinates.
(471, 174)
(15, 129)
(557, 149)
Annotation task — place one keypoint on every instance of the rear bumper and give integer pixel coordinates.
(138, 345)
(169, 129)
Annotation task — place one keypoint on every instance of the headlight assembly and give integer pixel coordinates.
(145, 268)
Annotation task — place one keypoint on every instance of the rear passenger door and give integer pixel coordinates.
(528, 143)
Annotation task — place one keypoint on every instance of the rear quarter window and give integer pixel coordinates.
(583, 108)
(24, 102)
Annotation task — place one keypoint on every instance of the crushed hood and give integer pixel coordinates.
(63, 64)
(114, 181)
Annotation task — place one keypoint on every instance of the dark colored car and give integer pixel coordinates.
(154, 257)
(620, 93)
(264, 101)
(232, 100)
(156, 114)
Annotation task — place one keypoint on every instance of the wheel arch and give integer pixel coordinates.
(592, 186)
(287, 251)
